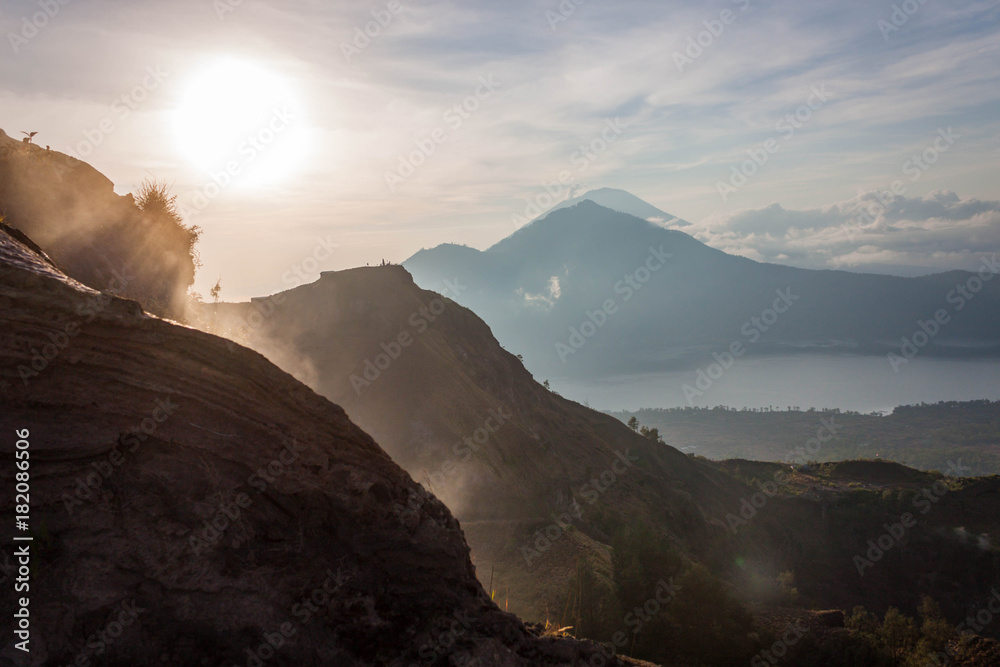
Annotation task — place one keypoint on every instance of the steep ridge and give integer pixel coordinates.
(426, 377)
(193, 504)
(542, 493)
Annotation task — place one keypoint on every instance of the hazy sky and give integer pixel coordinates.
(312, 114)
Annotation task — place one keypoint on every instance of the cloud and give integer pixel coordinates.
(559, 86)
(875, 231)
(545, 299)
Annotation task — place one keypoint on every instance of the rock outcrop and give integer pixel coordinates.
(192, 504)
(99, 237)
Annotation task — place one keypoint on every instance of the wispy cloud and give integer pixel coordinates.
(604, 61)
(875, 231)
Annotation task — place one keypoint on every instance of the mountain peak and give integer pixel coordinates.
(623, 202)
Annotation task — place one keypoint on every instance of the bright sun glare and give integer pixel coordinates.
(241, 119)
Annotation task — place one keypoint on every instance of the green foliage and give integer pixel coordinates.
(639, 561)
(839, 650)
(153, 198)
(898, 635)
(925, 436)
(935, 630)
(716, 629)
(861, 621)
(651, 434)
(896, 639)
(786, 587)
(590, 606)
(702, 622)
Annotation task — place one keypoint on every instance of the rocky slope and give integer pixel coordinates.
(100, 238)
(514, 461)
(545, 489)
(191, 504)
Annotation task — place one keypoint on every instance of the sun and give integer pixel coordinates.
(241, 123)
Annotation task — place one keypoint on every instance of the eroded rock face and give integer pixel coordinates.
(98, 237)
(193, 504)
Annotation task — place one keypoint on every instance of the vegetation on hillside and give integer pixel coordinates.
(927, 436)
(662, 606)
(136, 246)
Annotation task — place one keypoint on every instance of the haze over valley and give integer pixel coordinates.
(511, 335)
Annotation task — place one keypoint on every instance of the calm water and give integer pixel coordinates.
(849, 383)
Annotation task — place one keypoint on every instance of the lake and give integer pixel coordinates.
(861, 383)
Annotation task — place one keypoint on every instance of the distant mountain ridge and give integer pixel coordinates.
(540, 287)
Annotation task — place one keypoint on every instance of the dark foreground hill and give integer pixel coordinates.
(191, 504)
